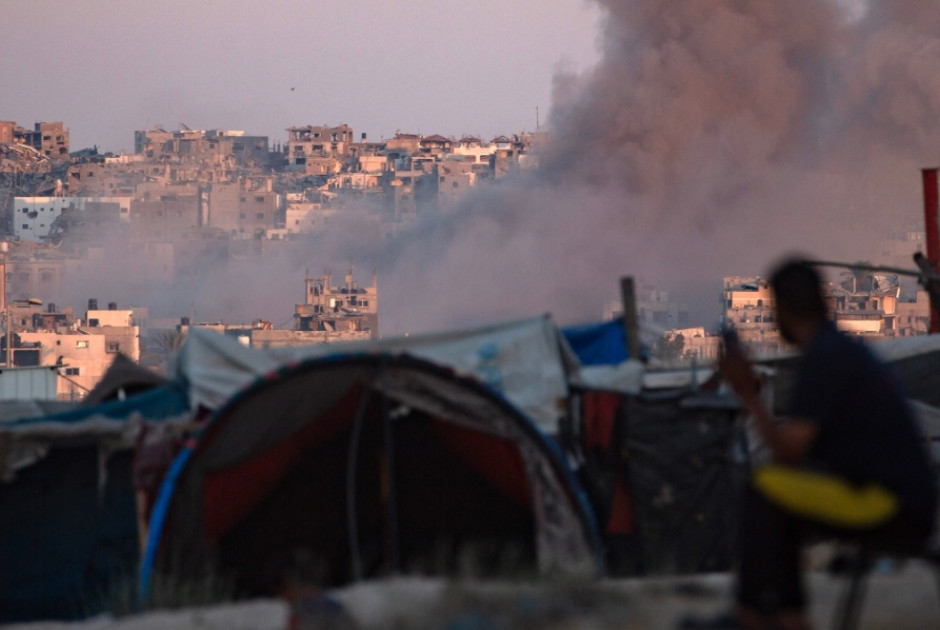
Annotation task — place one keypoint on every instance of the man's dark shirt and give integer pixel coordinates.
(867, 432)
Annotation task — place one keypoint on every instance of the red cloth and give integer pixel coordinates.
(600, 415)
(599, 411)
(621, 519)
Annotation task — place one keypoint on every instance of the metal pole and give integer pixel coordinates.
(352, 461)
(392, 496)
(932, 227)
(9, 358)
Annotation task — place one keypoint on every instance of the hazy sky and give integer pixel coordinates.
(108, 67)
(689, 140)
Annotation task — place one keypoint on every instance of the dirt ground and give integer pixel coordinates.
(898, 599)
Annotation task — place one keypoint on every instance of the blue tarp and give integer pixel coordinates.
(165, 401)
(598, 344)
(68, 533)
(67, 540)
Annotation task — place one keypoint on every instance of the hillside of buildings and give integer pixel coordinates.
(190, 200)
(187, 201)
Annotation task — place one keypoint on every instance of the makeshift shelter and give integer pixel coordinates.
(662, 459)
(527, 362)
(123, 378)
(68, 514)
(598, 344)
(347, 467)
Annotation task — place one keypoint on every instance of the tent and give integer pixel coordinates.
(68, 514)
(123, 378)
(527, 362)
(352, 466)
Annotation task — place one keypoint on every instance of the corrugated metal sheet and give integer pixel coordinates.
(31, 383)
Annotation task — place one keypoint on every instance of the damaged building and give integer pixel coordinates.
(338, 309)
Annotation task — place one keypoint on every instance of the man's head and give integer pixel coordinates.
(799, 301)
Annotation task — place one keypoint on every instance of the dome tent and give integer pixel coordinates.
(352, 466)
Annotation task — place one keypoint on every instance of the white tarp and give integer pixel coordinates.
(527, 362)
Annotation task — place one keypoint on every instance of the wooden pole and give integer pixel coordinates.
(631, 327)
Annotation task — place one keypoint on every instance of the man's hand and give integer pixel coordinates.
(736, 369)
(788, 441)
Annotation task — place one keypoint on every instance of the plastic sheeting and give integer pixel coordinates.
(68, 517)
(527, 362)
(67, 533)
(686, 463)
(598, 344)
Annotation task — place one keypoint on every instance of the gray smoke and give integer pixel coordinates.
(713, 137)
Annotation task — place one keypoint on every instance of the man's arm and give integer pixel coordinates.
(789, 441)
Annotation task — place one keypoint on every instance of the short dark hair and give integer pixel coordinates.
(798, 289)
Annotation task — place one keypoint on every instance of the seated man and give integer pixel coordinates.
(847, 418)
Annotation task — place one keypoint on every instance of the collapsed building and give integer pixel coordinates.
(344, 308)
(329, 313)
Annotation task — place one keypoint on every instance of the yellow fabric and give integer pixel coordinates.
(826, 498)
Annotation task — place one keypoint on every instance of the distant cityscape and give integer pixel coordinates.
(187, 199)
(190, 198)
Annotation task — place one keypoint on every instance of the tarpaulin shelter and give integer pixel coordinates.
(353, 466)
(68, 516)
(527, 362)
(123, 378)
(662, 460)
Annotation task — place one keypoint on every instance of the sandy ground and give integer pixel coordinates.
(898, 599)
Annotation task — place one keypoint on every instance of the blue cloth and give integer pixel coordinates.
(598, 344)
(156, 404)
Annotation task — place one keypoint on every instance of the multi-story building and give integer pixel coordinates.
(863, 305)
(165, 217)
(310, 141)
(473, 150)
(49, 138)
(212, 147)
(39, 275)
(115, 178)
(82, 350)
(454, 180)
(654, 308)
(696, 343)
(6, 131)
(402, 145)
(244, 208)
(329, 313)
(436, 145)
(748, 308)
(866, 308)
(116, 326)
(37, 219)
(913, 318)
(304, 216)
(339, 310)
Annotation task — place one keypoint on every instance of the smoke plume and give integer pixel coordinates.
(713, 137)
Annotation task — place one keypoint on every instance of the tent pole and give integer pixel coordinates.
(389, 474)
(351, 464)
(631, 328)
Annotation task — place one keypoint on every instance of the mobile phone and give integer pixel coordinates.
(732, 343)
